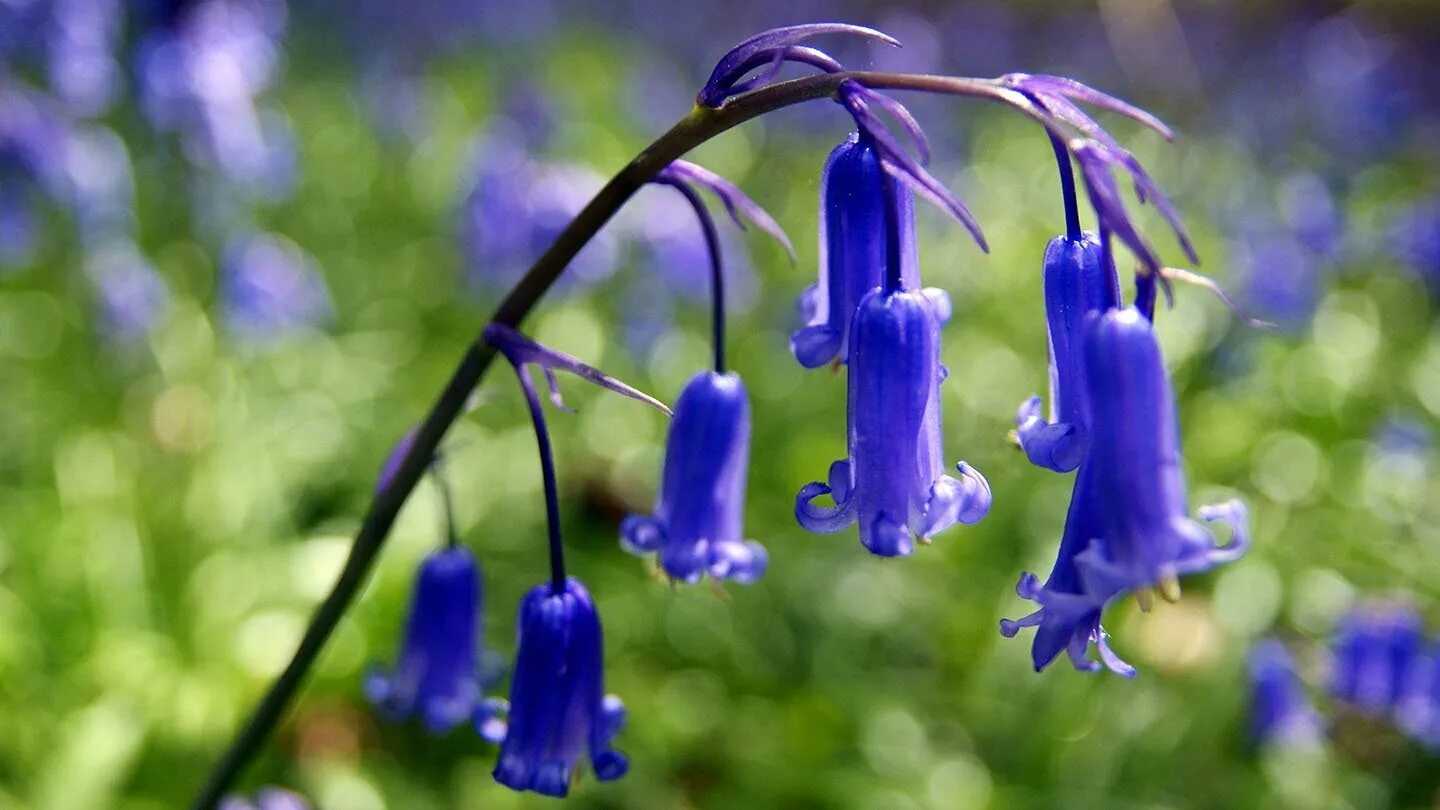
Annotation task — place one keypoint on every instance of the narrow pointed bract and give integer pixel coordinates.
(436, 677)
(558, 705)
(893, 483)
(853, 246)
(1079, 280)
(698, 523)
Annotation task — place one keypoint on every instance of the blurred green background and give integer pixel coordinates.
(175, 502)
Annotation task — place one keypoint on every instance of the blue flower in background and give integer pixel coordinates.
(893, 483)
(558, 705)
(270, 286)
(1418, 710)
(132, 298)
(1374, 651)
(698, 523)
(270, 798)
(436, 678)
(1280, 710)
(1415, 240)
(18, 234)
(853, 241)
(72, 42)
(1079, 279)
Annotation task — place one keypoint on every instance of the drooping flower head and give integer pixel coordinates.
(893, 483)
(1148, 538)
(1375, 649)
(1079, 279)
(436, 678)
(853, 197)
(558, 705)
(697, 527)
(1280, 710)
(1128, 529)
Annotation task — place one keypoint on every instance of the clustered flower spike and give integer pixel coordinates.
(1128, 529)
(1280, 710)
(771, 49)
(558, 705)
(893, 482)
(436, 677)
(698, 523)
(853, 245)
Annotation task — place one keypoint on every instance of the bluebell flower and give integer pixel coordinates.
(893, 482)
(698, 523)
(270, 286)
(132, 296)
(436, 677)
(1128, 528)
(269, 798)
(1280, 710)
(1374, 651)
(853, 197)
(1079, 279)
(558, 705)
(1418, 710)
(1415, 240)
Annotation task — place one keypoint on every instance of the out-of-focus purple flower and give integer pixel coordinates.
(101, 184)
(1079, 280)
(853, 246)
(1403, 435)
(1282, 280)
(1415, 240)
(17, 228)
(269, 286)
(201, 77)
(132, 298)
(269, 798)
(1308, 209)
(1280, 711)
(1373, 652)
(33, 139)
(893, 483)
(1417, 712)
(516, 208)
(558, 705)
(72, 42)
(698, 523)
(436, 677)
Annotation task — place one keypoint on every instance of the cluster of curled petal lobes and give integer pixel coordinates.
(893, 482)
(1079, 279)
(769, 50)
(697, 527)
(853, 249)
(436, 677)
(1280, 710)
(558, 706)
(895, 160)
(521, 350)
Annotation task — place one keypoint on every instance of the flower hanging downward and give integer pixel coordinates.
(893, 483)
(436, 677)
(1079, 280)
(853, 197)
(558, 705)
(698, 523)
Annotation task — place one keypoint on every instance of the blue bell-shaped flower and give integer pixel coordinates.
(1375, 651)
(557, 702)
(1280, 711)
(893, 483)
(698, 523)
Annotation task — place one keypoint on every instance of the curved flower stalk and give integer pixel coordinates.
(1128, 528)
(1280, 711)
(1079, 280)
(436, 677)
(697, 527)
(893, 482)
(853, 198)
(558, 705)
(1375, 650)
